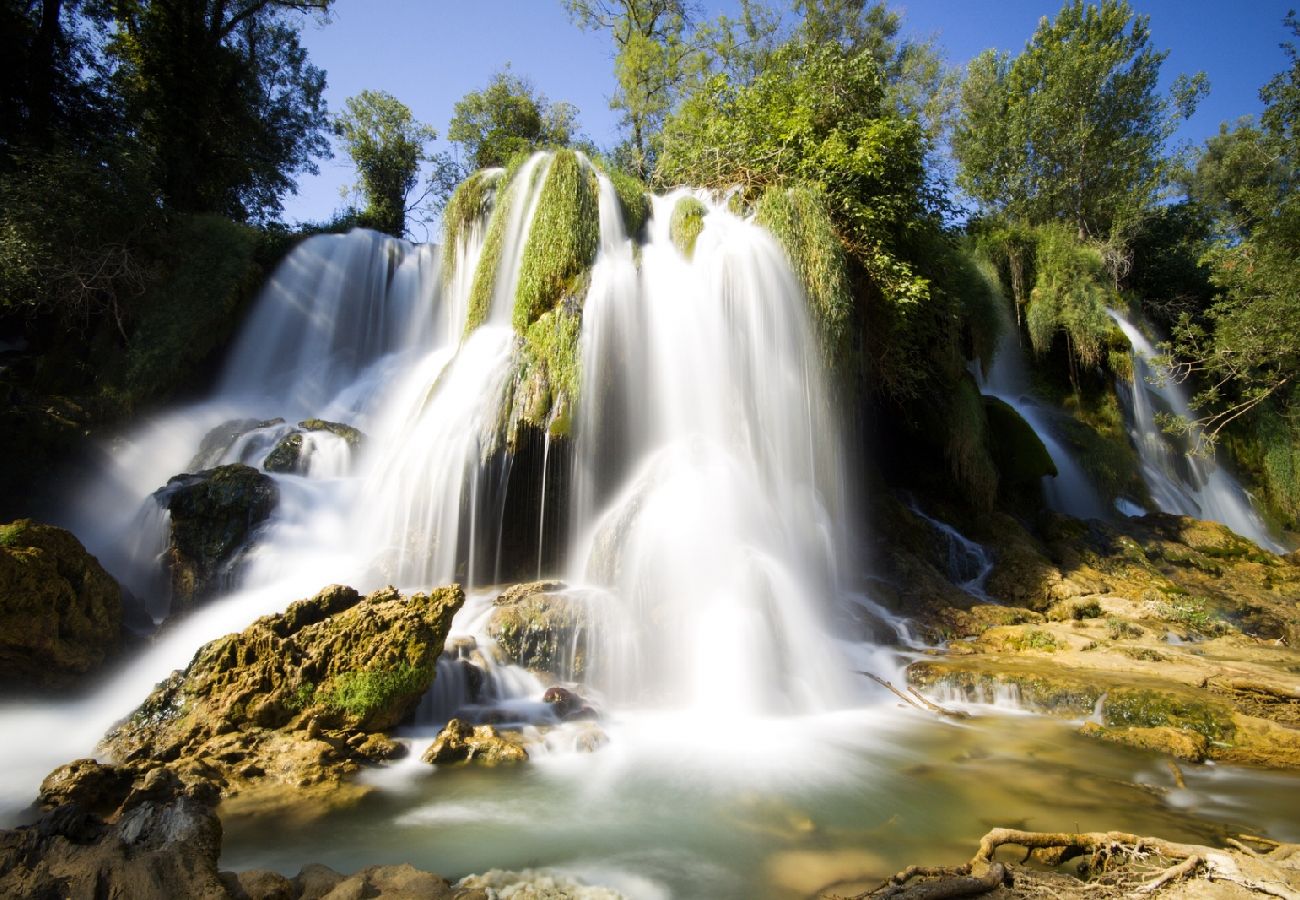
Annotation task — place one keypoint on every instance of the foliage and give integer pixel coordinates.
(1069, 295)
(221, 97)
(1072, 129)
(651, 48)
(562, 240)
(686, 223)
(472, 202)
(489, 261)
(982, 304)
(387, 146)
(506, 118)
(1035, 639)
(365, 693)
(799, 219)
(552, 359)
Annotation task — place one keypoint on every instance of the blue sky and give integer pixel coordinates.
(429, 53)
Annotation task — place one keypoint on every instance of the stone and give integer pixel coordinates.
(286, 455)
(214, 513)
(259, 884)
(314, 881)
(1177, 742)
(353, 436)
(298, 699)
(461, 742)
(60, 612)
(539, 626)
(404, 882)
(93, 786)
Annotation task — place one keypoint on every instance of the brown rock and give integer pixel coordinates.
(259, 884)
(315, 881)
(97, 788)
(402, 882)
(1177, 742)
(462, 742)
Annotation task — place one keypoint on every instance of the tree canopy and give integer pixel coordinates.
(507, 117)
(387, 145)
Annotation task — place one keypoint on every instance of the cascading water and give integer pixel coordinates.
(707, 492)
(1179, 480)
(1070, 491)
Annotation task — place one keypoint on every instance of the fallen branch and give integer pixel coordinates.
(924, 704)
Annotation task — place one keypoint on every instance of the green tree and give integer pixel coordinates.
(221, 97)
(508, 117)
(1073, 129)
(651, 48)
(387, 145)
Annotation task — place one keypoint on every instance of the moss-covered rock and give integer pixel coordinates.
(213, 515)
(299, 698)
(218, 441)
(1017, 450)
(562, 239)
(686, 223)
(60, 612)
(1180, 743)
(546, 390)
(489, 261)
(1151, 708)
(461, 742)
(798, 218)
(354, 437)
(541, 627)
(633, 201)
(471, 202)
(286, 455)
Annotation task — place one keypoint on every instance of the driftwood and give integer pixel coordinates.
(1138, 858)
(916, 700)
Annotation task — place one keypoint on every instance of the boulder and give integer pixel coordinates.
(461, 742)
(60, 612)
(162, 842)
(567, 705)
(353, 436)
(404, 881)
(213, 516)
(541, 627)
(286, 455)
(93, 786)
(217, 442)
(297, 699)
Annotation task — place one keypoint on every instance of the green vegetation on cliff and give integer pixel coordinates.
(685, 225)
(562, 240)
(471, 202)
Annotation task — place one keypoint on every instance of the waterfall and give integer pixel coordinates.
(703, 499)
(1070, 491)
(1180, 481)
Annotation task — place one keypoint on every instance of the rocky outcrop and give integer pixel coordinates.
(297, 700)
(213, 515)
(540, 626)
(60, 612)
(288, 457)
(220, 439)
(160, 841)
(461, 742)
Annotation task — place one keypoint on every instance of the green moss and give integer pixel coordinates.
(489, 261)
(353, 436)
(686, 224)
(366, 693)
(1099, 436)
(562, 240)
(1119, 355)
(799, 219)
(633, 199)
(1034, 639)
(1194, 614)
(470, 203)
(1016, 449)
(982, 302)
(1119, 629)
(550, 370)
(966, 445)
(1143, 708)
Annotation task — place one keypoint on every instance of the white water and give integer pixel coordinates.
(968, 564)
(708, 495)
(1178, 480)
(1070, 491)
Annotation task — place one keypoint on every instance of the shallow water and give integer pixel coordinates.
(675, 807)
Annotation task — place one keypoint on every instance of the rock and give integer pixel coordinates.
(315, 881)
(164, 846)
(60, 612)
(1177, 742)
(461, 742)
(353, 436)
(220, 439)
(404, 882)
(590, 739)
(567, 704)
(298, 699)
(286, 455)
(259, 884)
(540, 627)
(1017, 450)
(213, 515)
(95, 787)
(980, 618)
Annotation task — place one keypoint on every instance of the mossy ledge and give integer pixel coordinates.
(798, 219)
(550, 370)
(472, 201)
(485, 276)
(686, 224)
(633, 200)
(562, 240)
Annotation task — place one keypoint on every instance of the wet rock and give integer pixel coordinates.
(259, 884)
(296, 700)
(404, 881)
(353, 436)
(590, 739)
(315, 881)
(213, 515)
(60, 612)
(95, 787)
(286, 455)
(540, 627)
(164, 845)
(220, 439)
(461, 742)
(1177, 742)
(567, 705)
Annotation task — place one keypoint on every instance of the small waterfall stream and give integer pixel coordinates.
(1180, 481)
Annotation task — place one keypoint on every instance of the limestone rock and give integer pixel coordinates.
(1177, 742)
(286, 455)
(462, 742)
(296, 699)
(538, 626)
(95, 787)
(213, 515)
(60, 612)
